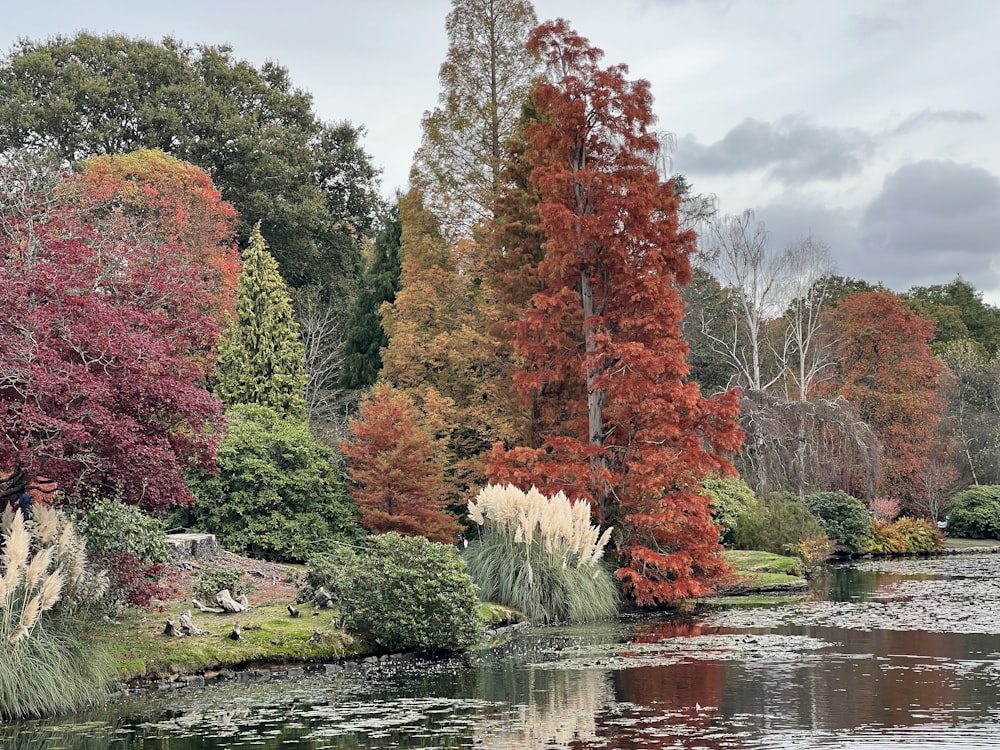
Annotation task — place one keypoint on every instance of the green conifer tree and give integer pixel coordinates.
(261, 356)
(365, 336)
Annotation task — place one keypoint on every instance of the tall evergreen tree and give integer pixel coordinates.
(261, 357)
(365, 335)
(485, 79)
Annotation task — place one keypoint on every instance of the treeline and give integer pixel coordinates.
(209, 311)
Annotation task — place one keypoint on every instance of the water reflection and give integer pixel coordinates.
(696, 683)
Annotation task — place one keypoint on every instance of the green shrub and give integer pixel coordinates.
(277, 494)
(540, 556)
(975, 513)
(844, 518)
(730, 496)
(905, 536)
(330, 570)
(778, 525)
(409, 594)
(111, 527)
(48, 662)
(211, 581)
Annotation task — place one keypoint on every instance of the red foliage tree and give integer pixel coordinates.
(887, 369)
(396, 480)
(166, 201)
(619, 424)
(98, 390)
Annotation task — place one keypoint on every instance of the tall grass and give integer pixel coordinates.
(541, 556)
(47, 593)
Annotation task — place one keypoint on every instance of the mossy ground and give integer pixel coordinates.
(763, 571)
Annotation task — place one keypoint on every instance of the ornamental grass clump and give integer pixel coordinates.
(541, 556)
(47, 597)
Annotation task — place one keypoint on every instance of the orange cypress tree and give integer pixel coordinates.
(618, 422)
(396, 481)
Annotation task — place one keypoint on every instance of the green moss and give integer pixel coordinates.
(140, 648)
(755, 561)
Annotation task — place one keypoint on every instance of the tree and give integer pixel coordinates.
(167, 201)
(98, 392)
(958, 312)
(485, 79)
(261, 357)
(365, 335)
(396, 479)
(739, 256)
(309, 183)
(441, 352)
(887, 370)
(808, 349)
(635, 437)
(975, 409)
(277, 494)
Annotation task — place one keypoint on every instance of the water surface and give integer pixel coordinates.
(882, 655)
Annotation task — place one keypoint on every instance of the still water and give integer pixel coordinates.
(881, 655)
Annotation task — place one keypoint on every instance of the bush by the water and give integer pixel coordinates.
(975, 513)
(730, 496)
(405, 593)
(130, 546)
(779, 525)
(844, 518)
(329, 570)
(905, 536)
(48, 661)
(540, 556)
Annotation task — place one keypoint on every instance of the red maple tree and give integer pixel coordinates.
(618, 422)
(396, 480)
(887, 369)
(99, 391)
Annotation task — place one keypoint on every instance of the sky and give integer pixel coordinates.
(871, 125)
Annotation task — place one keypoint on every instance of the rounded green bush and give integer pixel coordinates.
(844, 518)
(277, 494)
(406, 593)
(112, 528)
(975, 513)
(778, 525)
(729, 496)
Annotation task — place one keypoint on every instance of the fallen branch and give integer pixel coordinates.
(225, 600)
(188, 624)
(203, 608)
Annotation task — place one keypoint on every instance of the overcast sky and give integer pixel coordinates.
(870, 124)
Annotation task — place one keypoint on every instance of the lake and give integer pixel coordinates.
(881, 654)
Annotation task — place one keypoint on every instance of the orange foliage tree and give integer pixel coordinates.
(166, 201)
(441, 353)
(620, 424)
(887, 369)
(396, 479)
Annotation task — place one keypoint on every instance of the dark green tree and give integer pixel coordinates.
(277, 494)
(365, 336)
(261, 357)
(958, 312)
(310, 183)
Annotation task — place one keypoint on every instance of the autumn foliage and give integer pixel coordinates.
(619, 424)
(170, 202)
(98, 390)
(887, 369)
(396, 481)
